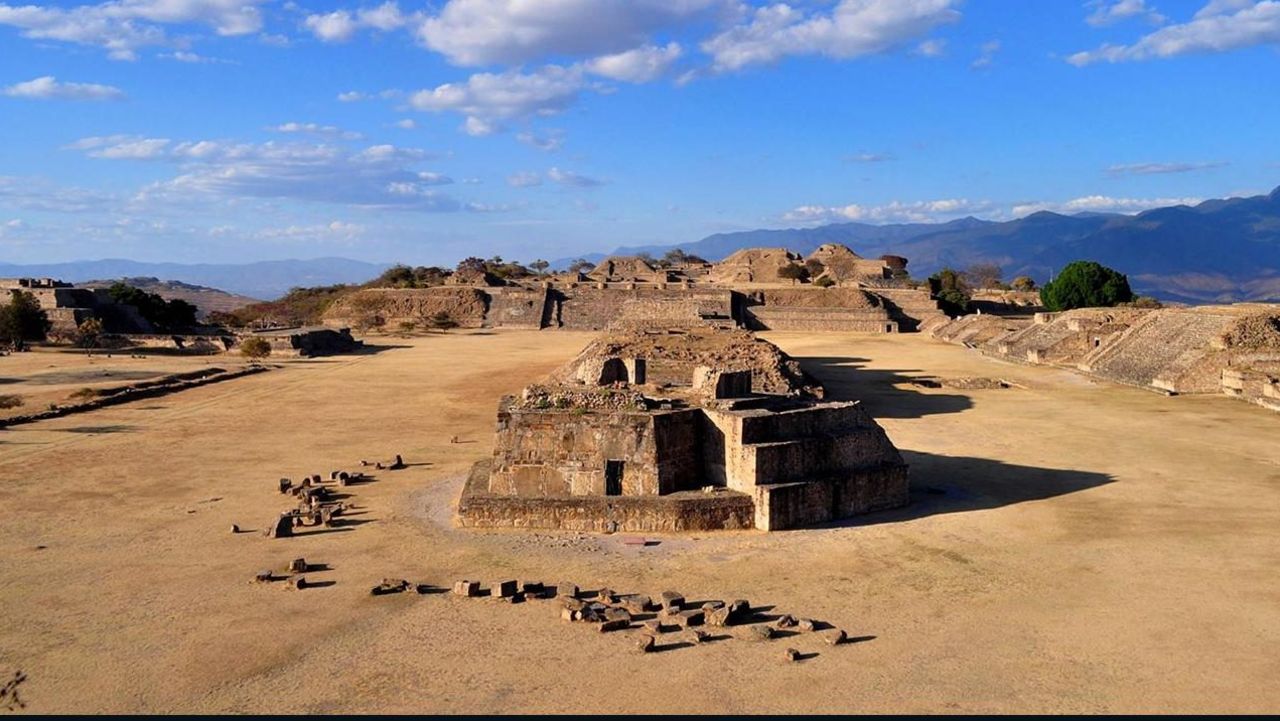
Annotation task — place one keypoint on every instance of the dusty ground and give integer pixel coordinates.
(1071, 547)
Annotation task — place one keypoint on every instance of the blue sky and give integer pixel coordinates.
(230, 130)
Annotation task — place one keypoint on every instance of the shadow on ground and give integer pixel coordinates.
(955, 484)
(848, 379)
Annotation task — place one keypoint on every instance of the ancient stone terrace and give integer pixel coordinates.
(681, 431)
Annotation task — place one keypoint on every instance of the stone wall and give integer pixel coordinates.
(793, 505)
(517, 308)
(680, 512)
(821, 320)
(389, 307)
(594, 308)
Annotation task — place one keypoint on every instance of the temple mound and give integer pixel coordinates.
(688, 430)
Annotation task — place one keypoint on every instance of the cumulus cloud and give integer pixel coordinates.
(1220, 26)
(1162, 168)
(852, 28)
(638, 65)
(40, 195)
(549, 141)
(486, 32)
(1109, 12)
(921, 211)
(123, 26)
(340, 25)
(1099, 204)
(379, 176)
(48, 88)
(336, 230)
(490, 99)
(932, 48)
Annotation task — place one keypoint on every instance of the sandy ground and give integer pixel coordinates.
(1071, 547)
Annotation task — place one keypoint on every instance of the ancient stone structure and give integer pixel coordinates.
(68, 306)
(306, 342)
(679, 431)
(845, 266)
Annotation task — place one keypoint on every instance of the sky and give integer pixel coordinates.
(243, 130)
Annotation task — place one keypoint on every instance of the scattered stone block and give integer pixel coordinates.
(389, 585)
(693, 617)
(617, 614)
(569, 614)
(759, 632)
(653, 626)
(397, 464)
(296, 583)
(698, 636)
(315, 480)
(807, 625)
(263, 577)
(564, 589)
(835, 637)
(616, 624)
(281, 527)
(712, 605)
(470, 589)
(739, 609)
(285, 485)
(573, 604)
(787, 621)
(333, 475)
(635, 602)
(235, 528)
(533, 589)
(516, 597)
(505, 589)
(718, 616)
(606, 595)
(671, 599)
(646, 643)
(791, 655)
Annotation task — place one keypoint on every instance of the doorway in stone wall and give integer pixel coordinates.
(613, 477)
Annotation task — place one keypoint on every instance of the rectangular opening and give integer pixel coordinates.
(613, 478)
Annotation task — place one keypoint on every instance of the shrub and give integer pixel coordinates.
(83, 394)
(824, 282)
(442, 322)
(89, 333)
(793, 272)
(951, 291)
(255, 348)
(1023, 283)
(1086, 284)
(11, 401)
(1144, 301)
(164, 314)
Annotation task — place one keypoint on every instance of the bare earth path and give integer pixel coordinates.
(1071, 547)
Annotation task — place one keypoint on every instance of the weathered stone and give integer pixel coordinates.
(653, 625)
(712, 605)
(296, 583)
(281, 527)
(568, 614)
(333, 475)
(791, 655)
(616, 624)
(505, 588)
(298, 565)
(739, 609)
(718, 617)
(285, 485)
(470, 589)
(573, 604)
(692, 617)
(263, 577)
(645, 643)
(389, 585)
(397, 464)
(315, 480)
(759, 632)
(235, 528)
(607, 595)
(533, 589)
(807, 624)
(786, 621)
(671, 599)
(635, 602)
(565, 589)
(516, 597)
(617, 614)
(698, 636)
(834, 637)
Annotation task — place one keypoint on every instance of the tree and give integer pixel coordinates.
(442, 322)
(540, 266)
(793, 272)
(164, 314)
(1086, 284)
(89, 333)
(472, 264)
(1023, 283)
(255, 348)
(983, 275)
(824, 282)
(22, 321)
(949, 287)
(814, 267)
(580, 265)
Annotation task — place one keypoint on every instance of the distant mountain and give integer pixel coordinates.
(1218, 251)
(266, 279)
(205, 299)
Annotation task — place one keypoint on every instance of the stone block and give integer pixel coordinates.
(470, 589)
(614, 625)
(533, 589)
(760, 632)
(671, 599)
(834, 637)
(645, 643)
(787, 621)
(298, 565)
(505, 588)
(617, 614)
(807, 625)
(791, 655)
(693, 617)
(565, 589)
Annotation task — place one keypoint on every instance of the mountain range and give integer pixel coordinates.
(266, 279)
(1217, 251)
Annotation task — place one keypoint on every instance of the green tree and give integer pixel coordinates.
(539, 266)
(951, 290)
(22, 321)
(89, 334)
(1086, 284)
(255, 348)
(581, 265)
(793, 272)
(1024, 283)
(814, 267)
(824, 282)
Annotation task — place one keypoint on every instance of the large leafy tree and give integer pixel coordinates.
(1086, 284)
(22, 320)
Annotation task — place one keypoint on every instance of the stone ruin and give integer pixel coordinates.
(690, 430)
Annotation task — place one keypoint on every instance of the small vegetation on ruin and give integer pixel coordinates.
(255, 348)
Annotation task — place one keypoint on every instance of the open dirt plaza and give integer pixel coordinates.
(1070, 546)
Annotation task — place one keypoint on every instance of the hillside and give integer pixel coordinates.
(264, 279)
(1218, 251)
(207, 300)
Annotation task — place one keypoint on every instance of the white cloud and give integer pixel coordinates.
(40, 195)
(1219, 26)
(550, 141)
(923, 211)
(48, 88)
(1109, 12)
(379, 176)
(324, 131)
(1100, 204)
(870, 158)
(489, 99)
(524, 180)
(333, 231)
(1162, 168)
(852, 28)
(565, 177)
(352, 96)
(405, 124)
(341, 25)
(932, 48)
(486, 32)
(184, 56)
(986, 55)
(123, 26)
(638, 65)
